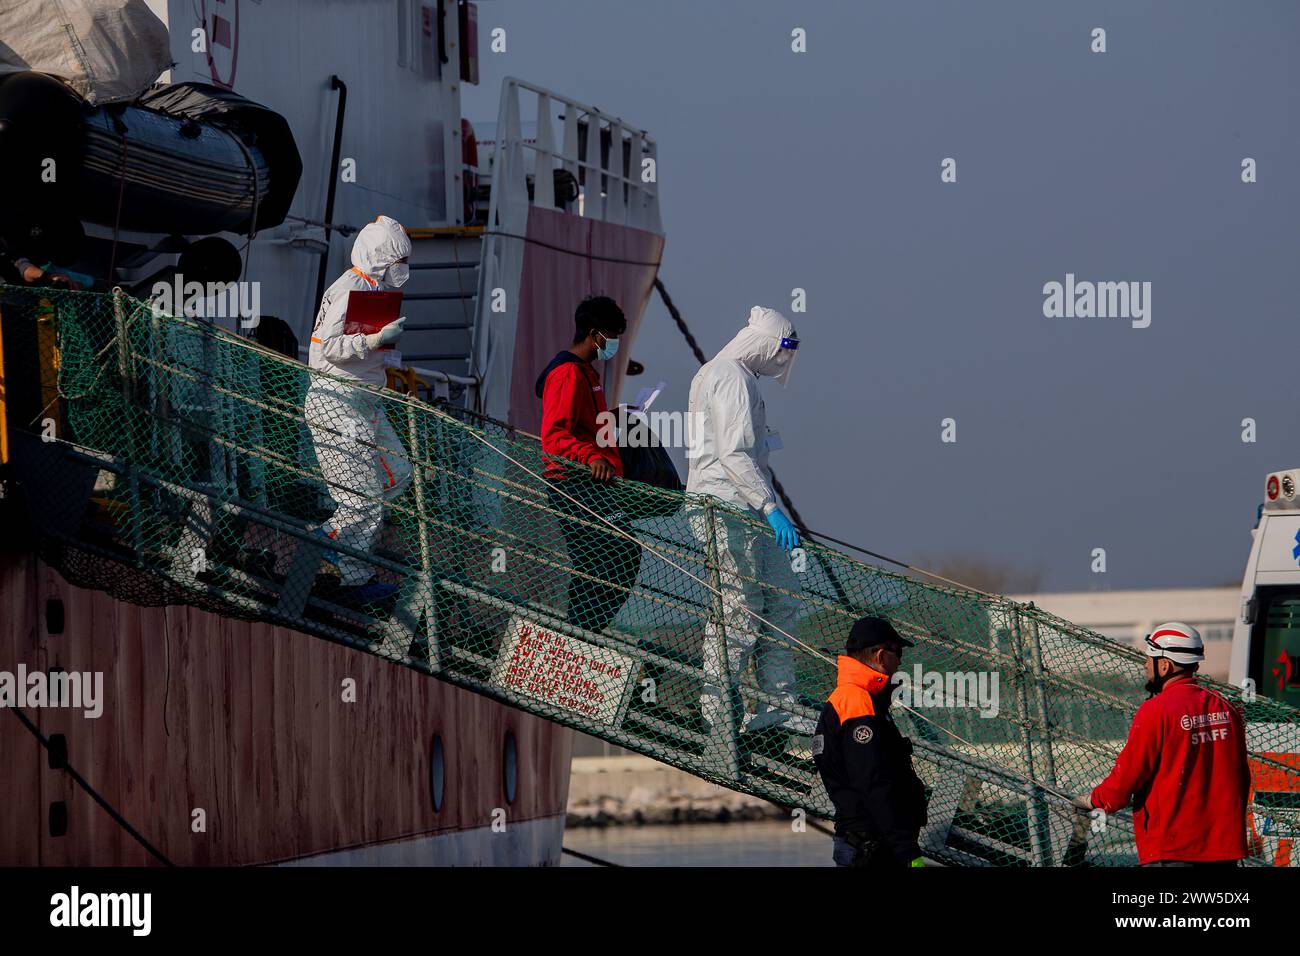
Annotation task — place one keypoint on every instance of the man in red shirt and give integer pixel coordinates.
(1184, 767)
(605, 563)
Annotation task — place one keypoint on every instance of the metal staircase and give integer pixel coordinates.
(440, 300)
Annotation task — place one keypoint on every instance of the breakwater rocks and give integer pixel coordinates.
(621, 791)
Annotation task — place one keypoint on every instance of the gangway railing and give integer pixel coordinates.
(578, 159)
(165, 461)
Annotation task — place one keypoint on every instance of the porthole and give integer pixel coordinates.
(437, 773)
(510, 761)
(58, 819)
(57, 753)
(54, 616)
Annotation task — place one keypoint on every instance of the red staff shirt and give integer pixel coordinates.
(1184, 769)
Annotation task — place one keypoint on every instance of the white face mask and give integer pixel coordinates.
(398, 273)
(608, 350)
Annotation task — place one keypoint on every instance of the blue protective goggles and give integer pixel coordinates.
(789, 343)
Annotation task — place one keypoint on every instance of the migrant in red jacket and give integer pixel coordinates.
(572, 401)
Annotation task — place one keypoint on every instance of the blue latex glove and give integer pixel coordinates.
(787, 538)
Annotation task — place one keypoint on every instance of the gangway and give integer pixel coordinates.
(168, 462)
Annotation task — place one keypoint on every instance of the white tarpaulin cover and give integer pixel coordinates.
(106, 50)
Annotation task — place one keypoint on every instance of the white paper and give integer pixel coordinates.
(646, 397)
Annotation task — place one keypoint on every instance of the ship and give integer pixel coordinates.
(162, 508)
(182, 132)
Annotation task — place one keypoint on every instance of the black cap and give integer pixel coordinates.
(871, 631)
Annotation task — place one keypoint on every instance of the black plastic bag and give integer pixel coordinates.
(646, 460)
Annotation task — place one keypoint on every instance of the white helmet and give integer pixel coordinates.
(1179, 642)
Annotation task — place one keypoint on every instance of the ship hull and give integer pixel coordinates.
(225, 742)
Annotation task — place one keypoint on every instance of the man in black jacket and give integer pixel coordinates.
(864, 761)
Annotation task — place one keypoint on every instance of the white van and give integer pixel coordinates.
(1266, 640)
(1266, 662)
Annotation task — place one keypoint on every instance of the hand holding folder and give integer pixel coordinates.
(368, 313)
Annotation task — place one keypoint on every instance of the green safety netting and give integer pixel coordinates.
(166, 461)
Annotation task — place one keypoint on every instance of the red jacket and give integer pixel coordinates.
(572, 398)
(1185, 770)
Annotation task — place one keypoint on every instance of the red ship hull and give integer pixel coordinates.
(249, 724)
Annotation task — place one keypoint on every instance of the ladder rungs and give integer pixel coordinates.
(440, 296)
(667, 729)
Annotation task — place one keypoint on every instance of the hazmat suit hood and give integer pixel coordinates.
(378, 246)
(758, 345)
(349, 355)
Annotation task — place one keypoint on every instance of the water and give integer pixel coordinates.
(759, 843)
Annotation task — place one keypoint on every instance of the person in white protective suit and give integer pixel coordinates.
(360, 456)
(729, 445)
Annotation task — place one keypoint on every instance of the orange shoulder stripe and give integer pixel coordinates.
(850, 701)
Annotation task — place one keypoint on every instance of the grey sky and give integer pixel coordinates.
(821, 170)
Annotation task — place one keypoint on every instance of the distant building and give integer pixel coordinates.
(1129, 616)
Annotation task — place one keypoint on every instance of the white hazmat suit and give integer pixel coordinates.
(360, 455)
(729, 445)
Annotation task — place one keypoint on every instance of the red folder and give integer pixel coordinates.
(368, 312)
